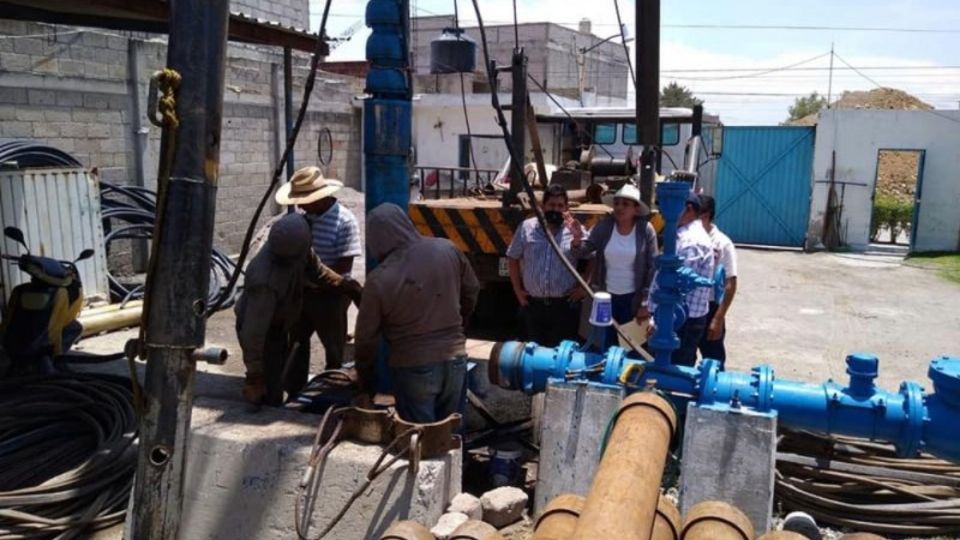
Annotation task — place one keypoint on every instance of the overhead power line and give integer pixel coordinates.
(726, 69)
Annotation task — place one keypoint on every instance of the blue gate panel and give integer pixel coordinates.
(763, 184)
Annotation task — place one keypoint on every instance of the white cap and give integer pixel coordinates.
(628, 191)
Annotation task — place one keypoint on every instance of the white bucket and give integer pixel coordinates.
(601, 312)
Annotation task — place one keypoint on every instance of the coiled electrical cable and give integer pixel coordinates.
(24, 153)
(129, 213)
(67, 454)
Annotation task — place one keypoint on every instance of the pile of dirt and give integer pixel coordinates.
(879, 98)
(897, 173)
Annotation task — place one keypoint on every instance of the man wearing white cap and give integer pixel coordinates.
(336, 241)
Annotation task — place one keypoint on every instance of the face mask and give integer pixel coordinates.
(553, 217)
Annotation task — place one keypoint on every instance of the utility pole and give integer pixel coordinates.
(830, 78)
(178, 281)
(518, 122)
(648, 92)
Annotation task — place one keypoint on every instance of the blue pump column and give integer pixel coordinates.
(387, 113)
(387, 120)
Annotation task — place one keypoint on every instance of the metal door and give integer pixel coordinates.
(763, 184)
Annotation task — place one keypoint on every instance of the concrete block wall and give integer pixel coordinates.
(71, 88)
(551, 56)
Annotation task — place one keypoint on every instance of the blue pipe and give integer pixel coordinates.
(909, 418)
(387, 121)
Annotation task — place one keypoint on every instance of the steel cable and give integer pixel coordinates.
(67, 455)
(862, 485)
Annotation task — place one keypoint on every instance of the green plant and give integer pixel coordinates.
(891, 212)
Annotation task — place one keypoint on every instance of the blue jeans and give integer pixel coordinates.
(431, 392)
(623, 313)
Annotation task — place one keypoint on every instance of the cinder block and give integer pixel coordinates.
(244, 468)
(729, 456)
(575, 418)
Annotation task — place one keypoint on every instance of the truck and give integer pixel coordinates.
(596, 152)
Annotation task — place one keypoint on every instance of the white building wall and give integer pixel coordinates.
(857, 136)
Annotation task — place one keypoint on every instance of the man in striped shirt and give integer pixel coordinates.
(336, 241)
(695, 249)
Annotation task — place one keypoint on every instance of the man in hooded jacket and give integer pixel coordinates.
(417, 299)
(271, 302)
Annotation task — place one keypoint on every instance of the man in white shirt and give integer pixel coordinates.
(711, 346)
(696, 251)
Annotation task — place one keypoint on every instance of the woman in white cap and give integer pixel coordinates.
(625, 246)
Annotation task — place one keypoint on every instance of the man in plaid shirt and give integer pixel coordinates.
(695, 248)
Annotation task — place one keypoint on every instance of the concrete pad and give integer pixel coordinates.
(575, 418)
(244, 468)
(729, 456)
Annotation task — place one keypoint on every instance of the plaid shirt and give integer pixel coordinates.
(544, 275)
(695, 248)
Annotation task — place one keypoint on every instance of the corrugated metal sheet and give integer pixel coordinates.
(763, 184)
(58, 211)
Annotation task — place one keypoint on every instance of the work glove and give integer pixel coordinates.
(353, 289)
(254, 389)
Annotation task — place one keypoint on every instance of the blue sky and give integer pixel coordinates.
(737, 99)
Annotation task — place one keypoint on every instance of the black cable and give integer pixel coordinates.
(567, 113)
(623, 40)
(129, 213)
(67, 454)
(516, 163)
(463, 101)
(278, 171)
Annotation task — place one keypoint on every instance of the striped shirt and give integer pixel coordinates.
(335, 234)
(544, 275)
(695, 249)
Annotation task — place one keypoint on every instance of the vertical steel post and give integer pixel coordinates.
(518, 121)
(648, 92)
(180, 268)
(138, 133)
(288, 106)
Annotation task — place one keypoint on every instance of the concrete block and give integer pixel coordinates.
(447, 524)
(466, 503)
(729, 456)
(574, 422)
(41, 97)
(244, 468)
(503, 506)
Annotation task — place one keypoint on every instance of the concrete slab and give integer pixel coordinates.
(575, 418)
(244, 468)
(729, 457)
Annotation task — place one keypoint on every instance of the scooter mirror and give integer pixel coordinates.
(85, 254)
(16, 235)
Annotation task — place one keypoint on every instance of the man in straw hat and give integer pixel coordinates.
(269, 307)
(336, 241)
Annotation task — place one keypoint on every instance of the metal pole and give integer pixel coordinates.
(288, 104)
(139, 134)
(830, 78)
(180, 268)
(648, 92)
(518, 122)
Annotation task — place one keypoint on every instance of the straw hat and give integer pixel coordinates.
(307, 185)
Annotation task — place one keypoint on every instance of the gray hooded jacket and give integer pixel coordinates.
(417, 297)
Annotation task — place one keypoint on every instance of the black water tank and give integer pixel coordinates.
(453, 52)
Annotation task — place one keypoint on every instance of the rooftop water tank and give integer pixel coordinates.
(453, 52)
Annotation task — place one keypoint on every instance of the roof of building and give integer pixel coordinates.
(152, 16)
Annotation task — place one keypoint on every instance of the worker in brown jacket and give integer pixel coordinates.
(270, 305)
(417, 299)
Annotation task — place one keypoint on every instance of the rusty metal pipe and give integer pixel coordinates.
(407, 530)
(96, 323)
(559, 518)
(668, 523)
(622, 502)
(716, 520)
(476, 530)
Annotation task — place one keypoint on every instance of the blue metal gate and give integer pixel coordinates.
(763, 184)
